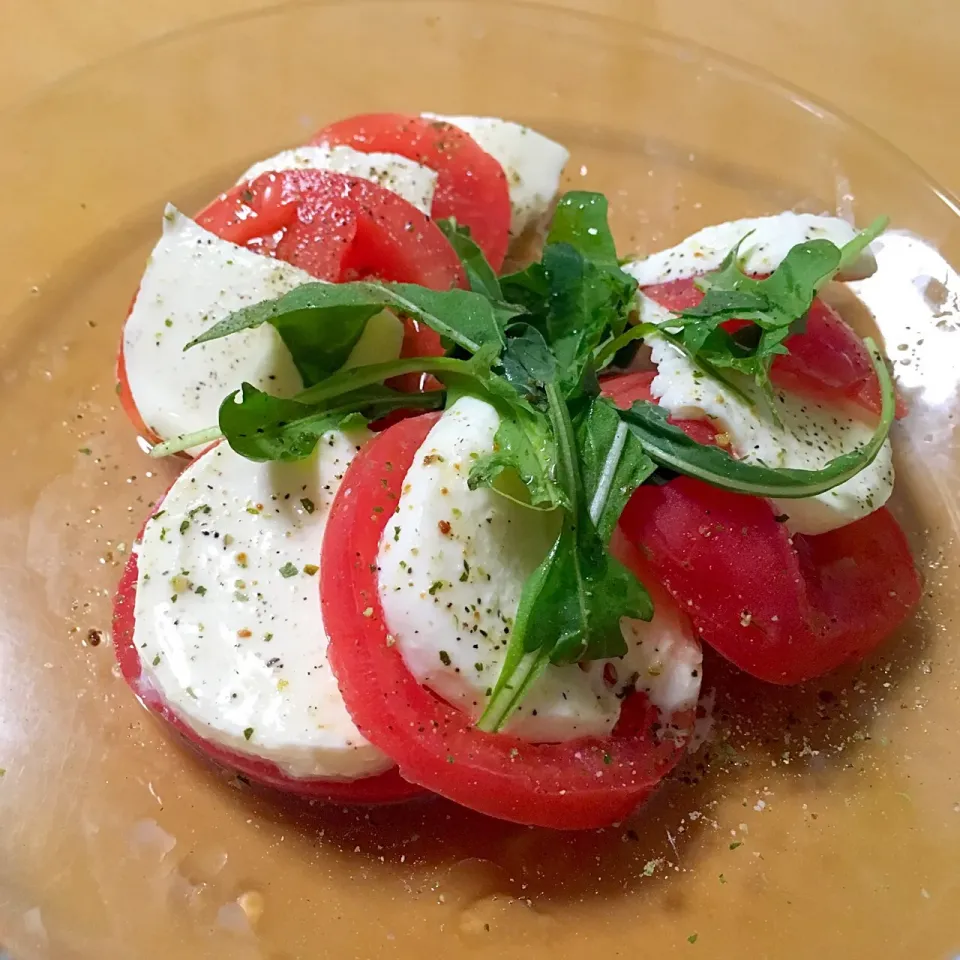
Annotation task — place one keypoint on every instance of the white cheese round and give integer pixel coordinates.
(809, 435)
(228, 623)
(452, 565)
(193, 280)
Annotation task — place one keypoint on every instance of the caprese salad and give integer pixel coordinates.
(445, 529)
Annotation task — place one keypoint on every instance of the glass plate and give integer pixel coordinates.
(822, 821)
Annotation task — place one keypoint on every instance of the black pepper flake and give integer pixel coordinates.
(445, 658)
(307, 504)
(94, 637)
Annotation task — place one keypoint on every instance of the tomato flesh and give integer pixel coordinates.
(585, 783)
(387, 787)
(826, 361)
(471, 184)
(783, 608)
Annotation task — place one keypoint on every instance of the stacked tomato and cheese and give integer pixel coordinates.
(334, 626)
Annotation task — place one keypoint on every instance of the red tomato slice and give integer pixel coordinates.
(388, 787)
(471, 185)
(580, 784)
(335, 227)
(784, 609)
(625, 388)
(827, 361)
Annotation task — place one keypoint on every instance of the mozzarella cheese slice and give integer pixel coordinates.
(407, 178)
(532, 162)
(452, 564)
(193, 280)
(228, 622)
(768, 240)
(809, 435)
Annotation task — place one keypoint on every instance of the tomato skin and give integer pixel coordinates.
(784, 609)
(471, 184)
(827, 360)
(579, 784)
(387, 787)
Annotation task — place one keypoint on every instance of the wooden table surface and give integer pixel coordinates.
(890, 64)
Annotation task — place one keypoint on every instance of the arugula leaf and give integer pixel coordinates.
(571, 607)
(775, 306)
(303, 315)
(613, 463)
(587, 303)
(480, 275)
(319, 344)
(580, 220)
(851, 251)
(524, 442)
(262, 427)
(671, 447)
(577, 296)
(352, 382)
(528, 362)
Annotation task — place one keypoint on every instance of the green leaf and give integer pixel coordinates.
(776, 305)
(587, 305)
(524, 443)
(528, 362)
(580, 220)
(318, 337)
(671, 447)
(851, 251)
(612, 463)
(480, 274)
(570, 608)
(262, 427)
(304, 315)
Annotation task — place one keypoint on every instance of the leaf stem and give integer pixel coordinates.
(356, 377)
(610, 465)
(185, 441)
(612, 347)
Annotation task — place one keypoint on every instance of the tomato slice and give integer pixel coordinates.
(783, 608)
(388, 787)
(471, 184)
(335, 227)
(826, 361)
(624, 389)
(585, 783)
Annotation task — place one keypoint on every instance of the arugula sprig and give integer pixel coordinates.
(531, 344)
(773, 307)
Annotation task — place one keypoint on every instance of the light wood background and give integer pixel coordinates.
(891, 64)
